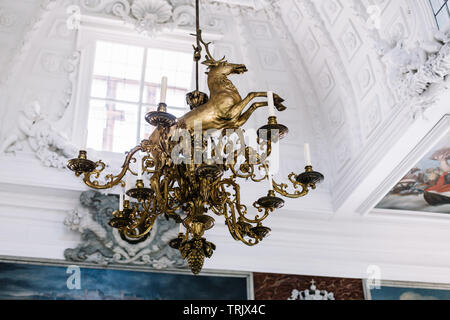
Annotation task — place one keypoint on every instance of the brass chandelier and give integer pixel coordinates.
(184, 172)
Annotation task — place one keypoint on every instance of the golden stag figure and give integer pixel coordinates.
(225, 107)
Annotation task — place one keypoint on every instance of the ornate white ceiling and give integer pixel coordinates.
(347, 68)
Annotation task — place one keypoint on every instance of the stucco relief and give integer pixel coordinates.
(103, 245)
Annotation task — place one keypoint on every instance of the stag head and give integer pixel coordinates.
(221, 66)
(224, 67)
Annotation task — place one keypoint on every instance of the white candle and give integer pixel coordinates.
(121, 200)
(139, 166)
(270, 177)
(163, 89)
(270, 182)
(307, 155)
(181, 229)
(84, 140)
(271, 104)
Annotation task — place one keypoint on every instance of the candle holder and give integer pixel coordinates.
(81, 164)
(121, 218)
(310, 177)
(140, 192)
(210, 172)
(270, 201)
(272, 124)
(176, 243)
(260, 232)
(199, 223)
(161, 118)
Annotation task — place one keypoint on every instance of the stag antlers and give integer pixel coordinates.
(210, 61)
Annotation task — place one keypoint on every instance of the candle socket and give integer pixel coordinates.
(126, 204)
(140, 184)
(272, 120)
(271, 201)
(81, 164)
(310, 178)
(161, 118)
(162, 107)
(272, 126)
(140, 192)
(82, 155)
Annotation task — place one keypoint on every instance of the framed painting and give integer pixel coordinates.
(394, 290)
(33, 279)
(426, 187)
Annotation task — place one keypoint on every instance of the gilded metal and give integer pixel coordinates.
(196, 99)
(211, 172)
(140, 192)
(199, 189)
(273, 131)
(161, 118)
(310, 177)
(270, 201)
(81, 164)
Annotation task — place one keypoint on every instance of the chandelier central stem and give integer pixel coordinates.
(198, 49)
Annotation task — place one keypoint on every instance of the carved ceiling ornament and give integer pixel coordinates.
(103, 245)
(7, 19)
(152, 16)
(417, 74)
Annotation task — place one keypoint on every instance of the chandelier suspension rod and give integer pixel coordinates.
(198, 49)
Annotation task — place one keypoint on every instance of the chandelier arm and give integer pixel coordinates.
(233, 227)
(251, 172)
(137, 223)
(146, 231)
(168, 182)
(282, 188)
(148, 162)
(155, 186)
(113, 179)
(239, 206)
(247, 169)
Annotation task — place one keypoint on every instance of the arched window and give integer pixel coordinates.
(441, 12)
(126, 85)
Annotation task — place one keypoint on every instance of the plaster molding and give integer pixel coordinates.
(103, 245)
(153, 16)
(24, 46)
(35, 131)
(417, 75)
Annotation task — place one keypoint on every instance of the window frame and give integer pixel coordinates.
(87, 38)
(445, 7)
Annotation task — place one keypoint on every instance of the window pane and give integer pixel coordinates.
(112, 126)
(117, 71)
(443, 17)
(178, 67)
(116, 92)
(441, 12)
(437, 5)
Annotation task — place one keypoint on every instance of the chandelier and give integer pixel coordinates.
(190, 167)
